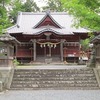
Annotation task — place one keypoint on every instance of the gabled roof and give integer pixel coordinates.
(46, 16)
(27, 20)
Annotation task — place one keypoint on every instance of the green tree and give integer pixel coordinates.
(86, 12)
(28, 6)
(4, 19)
(16, 6)
(53, 5)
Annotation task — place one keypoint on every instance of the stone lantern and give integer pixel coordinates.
(7, 44)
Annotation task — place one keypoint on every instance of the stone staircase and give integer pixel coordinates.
(62, 79)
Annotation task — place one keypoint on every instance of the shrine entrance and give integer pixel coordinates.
(48, 50)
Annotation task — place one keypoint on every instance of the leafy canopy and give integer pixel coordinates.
(28, 6)
(4, 19)
(9, 11)
(53, 5)
(86, 12)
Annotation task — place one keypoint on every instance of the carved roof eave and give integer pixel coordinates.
(47, 14)
(50, 30)
(6, 38)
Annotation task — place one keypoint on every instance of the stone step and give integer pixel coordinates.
(83, 78)
(55, 70)
(54, 84)
(56, 76)
(56, 79)
(58, 88)
(64, 87)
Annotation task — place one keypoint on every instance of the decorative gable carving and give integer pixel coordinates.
(47, 20)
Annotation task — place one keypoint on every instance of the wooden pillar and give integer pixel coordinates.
(34, 48)
(64, 53)
(79, 46)
(50, 51)
(61, 50)
(45, 51)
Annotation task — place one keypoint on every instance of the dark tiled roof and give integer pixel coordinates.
(27, 21)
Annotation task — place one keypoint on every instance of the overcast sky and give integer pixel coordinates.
(40, 3)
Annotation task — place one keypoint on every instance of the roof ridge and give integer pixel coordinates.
(33, 13)
(43, 13)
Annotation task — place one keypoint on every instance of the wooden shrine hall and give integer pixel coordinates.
(46, 35)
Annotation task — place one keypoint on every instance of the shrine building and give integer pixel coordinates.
(46, 35)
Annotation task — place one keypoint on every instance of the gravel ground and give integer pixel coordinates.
(51, 95)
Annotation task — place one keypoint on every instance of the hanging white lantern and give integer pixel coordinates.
(44, 45)
(51, 45)
(54, 45)
(41, 45)
(48, 45)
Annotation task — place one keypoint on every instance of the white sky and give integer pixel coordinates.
(40, 3)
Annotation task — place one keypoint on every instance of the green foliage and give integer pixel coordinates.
(53, 5)
(16, 62)
(85, 12)
(4, 19)
(8, 16)
(14, 11)
(28, 6)
(85, 44)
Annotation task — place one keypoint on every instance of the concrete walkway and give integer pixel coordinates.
(51, 95)
(50, 66)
